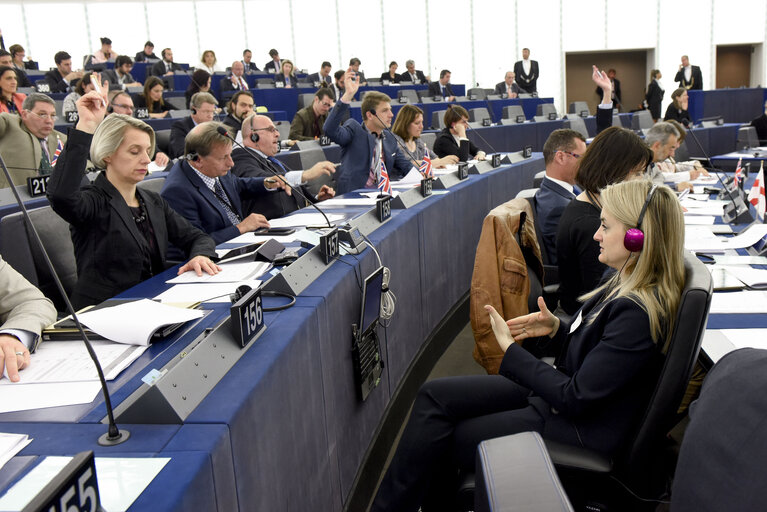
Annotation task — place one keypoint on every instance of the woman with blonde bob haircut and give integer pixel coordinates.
(606, 372)
(120, 232)
(407, 128)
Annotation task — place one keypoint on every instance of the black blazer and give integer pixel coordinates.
(227, 85)
(674, 113)
(274, 204)
(178, 132)
(141, 56)
(435, 89)
(158, 68)
(654, 97)
(500, 88)
(386, 76)
(551, 199)
(271, 67)
(526, 83)
(696, 78)
(112, 254)
(420, 78)
(250, 67)
(55, 81)
(280, 78)
(760, 123)
(23, 79)
(446, 145)
(315, 77)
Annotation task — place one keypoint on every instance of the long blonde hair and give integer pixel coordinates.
(654, 278)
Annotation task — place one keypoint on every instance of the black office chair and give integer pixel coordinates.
(438, 120)
(577, 123)
(587, 473)
(410, 94)
(747, 138)
(578, 107)
(477, 93)
(641, 121)
(513, 112)
(544, 109)
(162, 140)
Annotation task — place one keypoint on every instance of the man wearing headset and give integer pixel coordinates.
(201, 188)
(203, 106)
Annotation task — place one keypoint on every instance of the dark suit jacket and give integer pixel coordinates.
(114, 82)
(386, 76)
(280, 78)
(271, 67)
(420, 78)
(233, 123)
(696, 79)
(357, 148)
(178, 132)
(526, 83)
(249, 164)
(550, 201)
(446, 145)
(158, 68)
(760, 123)
(435, 89)
(227, 85)
(616, 90)
(500, 88)
(141, 56)
(112, 254)
(654, 97)
(55, 81)
(22, 78)
(674, 113)
(315, 77)
(188, 195)
(250, 67)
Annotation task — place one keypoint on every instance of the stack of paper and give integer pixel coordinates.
(739, 302)
(10, 445)
(233, 272)
(744, 239)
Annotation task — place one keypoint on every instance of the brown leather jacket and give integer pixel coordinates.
(500, 275)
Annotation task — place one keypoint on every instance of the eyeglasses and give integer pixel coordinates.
(270, 129)
(126, 107)
(326, 104)
(45, 117)
(574, 155)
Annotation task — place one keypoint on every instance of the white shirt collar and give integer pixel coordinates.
(562, 184)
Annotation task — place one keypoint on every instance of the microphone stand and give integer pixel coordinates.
(221, 130)
(113, 436)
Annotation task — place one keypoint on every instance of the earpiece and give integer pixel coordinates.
(192, 156)
(194, 110)
(253, 133)
(634, 239)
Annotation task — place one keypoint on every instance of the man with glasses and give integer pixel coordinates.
(28, 143)
(309, 121)
(203, 106)
(262, 140)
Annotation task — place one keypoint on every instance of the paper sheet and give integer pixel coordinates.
(24, 397)
(740, 260)
(203, 292)
(698, 220)
(348, 201)
(252, 238)
(413, 177)
(703, 208)
(10, 445)
(304, 219)
(742, 240)
(118, 323)
(753, 277)
(231, 273)
(742, 338)
(739, 302)
(376, 193)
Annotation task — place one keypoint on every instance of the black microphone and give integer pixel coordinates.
(223, 132)
(113, 436)
(396, 139)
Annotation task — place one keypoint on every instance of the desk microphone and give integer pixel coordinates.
(221, 130)
(113, 436)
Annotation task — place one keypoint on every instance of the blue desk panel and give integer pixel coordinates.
(735, 105)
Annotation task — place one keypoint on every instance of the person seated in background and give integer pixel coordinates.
(286, 77)
(22, 80)
(354, 64)
(235, 81)
(677, 109)
(10, 100)
(120, 102)
(82, 86)
(62, 78)
(654, 94)
(615, 155)
(17, 56)
(105, 53)
(364, 148)
(120, 232)
(203, 106)
(608, 365)
(200, 83)
(442, 87)
(338, 84)
(166, 66)
(247, 62)
(152, 100)
(408, 127)
(309, 121)
(452, 139)
(262, 140)
(413, 75)
(208, 62)
(147, 54)
(201, 188)
(24, 312)
(274, 65)
(120, 77)
(616, 89)
(760, 123)
(391, 76)
(28, 142)
(240, 106)
(508, 88)
(663, 139)
(323, 76)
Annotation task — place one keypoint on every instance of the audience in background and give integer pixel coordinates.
(22, 80)
(208, 62)
(82, 86)
(616, 98)
(677, 109)
(147, 54)
(663, 139)
(247, 62)
(323, 77)
(654, 95)
(526, 73)
(120, 76)
(166, 66)
(203, 106)
(508, 88)
(414, 75)
(274, 65)
(235, 81)
(309, 121)
(354, 64)
(391, 76)
(105, 53)
(442, 88)
(338, 84)
(200, 83)
(286, 77)
(452, 139)
(62, 78)
(689, 76)
(152, 99)
(240, 106)
(17, 56)
(407, 128)
(10, 100)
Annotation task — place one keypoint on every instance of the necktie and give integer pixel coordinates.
(443, 90)
(576, 190)
(243, 84)
(372, 181)
(45, 162)
(224, 200)
(276, 163)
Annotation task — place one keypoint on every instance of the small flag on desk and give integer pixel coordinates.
(59, 148)
(384, 185)
(739, 171)
(425, 168)
(756, 194)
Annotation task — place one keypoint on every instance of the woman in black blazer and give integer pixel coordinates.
(654, 95)
(447, 143)
(286, 76)
(602, 382)
(677, 109)
(391, 75)
(151, 98)
(120, 232)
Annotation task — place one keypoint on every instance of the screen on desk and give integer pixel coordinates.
(371, 300)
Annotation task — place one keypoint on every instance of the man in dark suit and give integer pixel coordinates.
(760, 123)
(239, 107)
(561, 152)
(201, 188)
(262, 141)
(203, 106)
(689, 76)
(363, 146)
(147, 54)
(274, 65)
(247, 62)
(354, 64)
(166, 66)
(507, 89)
(413, 75)
(323, 76)
(62, 78)
(338, 84)
(616, 88)
(235, 81)
(526, 72)
(442, 87)
(120, 76)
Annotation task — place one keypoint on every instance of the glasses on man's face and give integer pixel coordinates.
(574, 155)
(326, 104)
(45, 117)
(271, 129)
(126, 107)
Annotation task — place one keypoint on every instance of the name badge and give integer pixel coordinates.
(576, 323)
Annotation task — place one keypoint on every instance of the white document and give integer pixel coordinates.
(753, 277)
(739, 302)
(412, 178)
(10, 445)
(233, 272)
(252, 238)
(304, 219)
(698, 220)
(348, 201)
(120, 323)
(68, 361)
(742, 240)
(702, 208)
(740, 260)
(705, 180)
(202, 292)
(743, 338)
(24, 397)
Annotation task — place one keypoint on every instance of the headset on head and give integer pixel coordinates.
(634, 239)
(253, 133)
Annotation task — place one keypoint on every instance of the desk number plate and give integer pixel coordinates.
(383, 208)
(496, 161)
(37, 185)
(247, 317)
(463, 170)
(527, 152)
(74, 489)
(427, 185)
(520, 119)
(329, 245)
(324, 140)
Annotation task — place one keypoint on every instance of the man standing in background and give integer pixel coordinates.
(526, 71)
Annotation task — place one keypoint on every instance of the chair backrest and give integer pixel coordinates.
(179, 113)
(25, 256)
(307, 144)
(423, 93)
(178, 102)
(284, 128)
(617, 121)
(576, 107)
(481, 94)
(304, 100)
(682, 154)
(152, 184)
(429, 138)
(438, 119)
(162, 140)
(410, 94)
(527, 194)
(747, 138)
(578, 124)
(544, 109)
(538, 178)
(641, 120)
(265, 85)
(476, 115)
(310, 157)
(265, 81)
